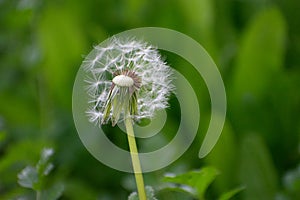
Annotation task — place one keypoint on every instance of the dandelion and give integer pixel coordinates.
(127, 78)
(127, 81)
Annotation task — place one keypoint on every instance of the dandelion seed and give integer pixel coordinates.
(126, 78)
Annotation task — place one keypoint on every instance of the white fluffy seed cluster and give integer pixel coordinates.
(119, 55)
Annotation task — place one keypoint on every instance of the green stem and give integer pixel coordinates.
(38, 195)
(135, 160)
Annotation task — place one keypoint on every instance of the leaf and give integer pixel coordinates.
(224, 155)
(260, 56)
(202, 24)
(59, 60)
(199, 180)
(33, 177)
(149, 194)
(53, 193)
(16, 154)
(43, 166)
(231, 193)
(28, 177)
(257, 171)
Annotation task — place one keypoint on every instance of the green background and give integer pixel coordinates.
(255, 43)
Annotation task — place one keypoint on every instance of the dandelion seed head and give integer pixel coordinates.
(126, 66)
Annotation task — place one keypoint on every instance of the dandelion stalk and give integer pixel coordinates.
(135, 159)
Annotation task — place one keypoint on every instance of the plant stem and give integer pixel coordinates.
(135, 160)
(38, 195)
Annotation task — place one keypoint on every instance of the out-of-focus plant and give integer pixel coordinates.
(192, 184)
(35, 177)
(291, 185)
(196, 183)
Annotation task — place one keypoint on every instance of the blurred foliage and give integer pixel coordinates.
(36, 178)
(255, 43)
(196, 183)
(193, 182)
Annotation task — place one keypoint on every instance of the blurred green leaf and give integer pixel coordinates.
(28, 177)
(199, 21)
(17, 156)
(44, 166)
(225, 156)
(260, 56)
(231, 193)
(34, 177)
(257, 171)
(62, 50)
(197, 180)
